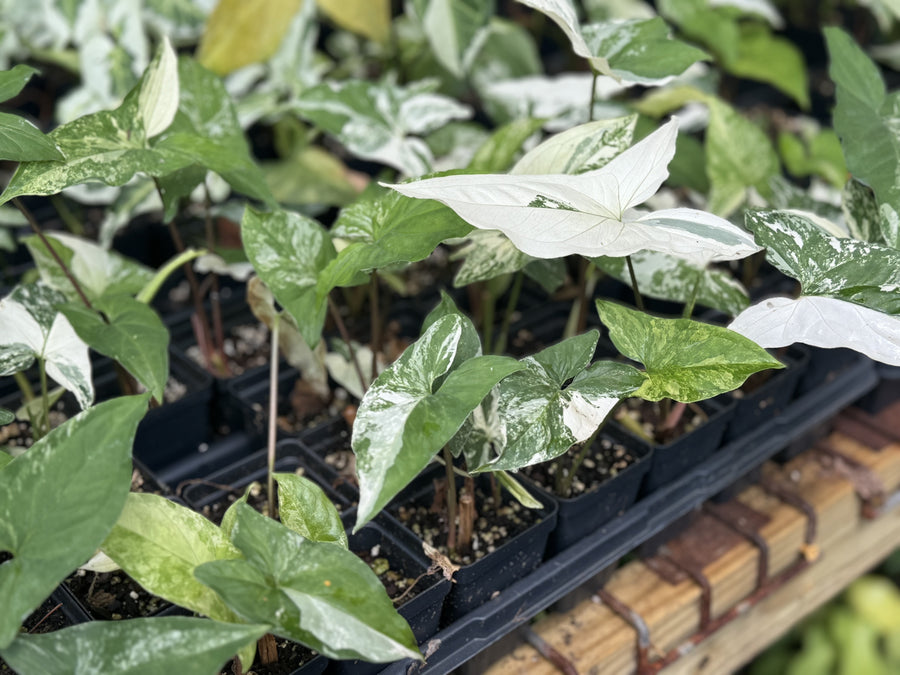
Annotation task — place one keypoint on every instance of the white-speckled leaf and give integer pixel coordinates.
(158, 97)
(852, 270)
(592, 214)
(289, 252)
(683, 359)
(666, 277)
(29, 325)
(861, 212)
(171, 644)
(381, 121)
(537, 414)
(305, 508)
(455, 30)
(316, 593)
(159, 544)
(486, 255)
(416, 405)
(890, 225)
(97, 269)
(822, 322)
(579, 149)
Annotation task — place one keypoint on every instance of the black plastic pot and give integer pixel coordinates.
(477, 582)
(886, 392)
(824, 366)
(319, 443)
(579, 516)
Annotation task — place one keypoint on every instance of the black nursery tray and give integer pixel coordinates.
(576, 565)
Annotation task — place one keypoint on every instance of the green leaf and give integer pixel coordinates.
(383, 229)
(416, 405)
(890, 226)
(5, 457)
(738, 156)
(6, 417)
(159, 544)
(667, 277)
(859, 272)
(515, 488)
(539, 413)
(318, 594)
(13, 81)
(703, 24)
(817, 154)
(864, 117)
(684, 360)
(289, 252)
(172, 644)
(486, 255)
(59, 501)
(305, 508)
(33, 329)
(310, 176)
(507, 52)
(369, 18)
(97, 270)
(133, 335)
(443, 308)
(21, 141)
(499, 151)
(861, 212)
(776, 61)
(455, 29)
(381, 121)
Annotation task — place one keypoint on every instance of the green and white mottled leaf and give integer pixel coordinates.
(564, 14)
(591, 214)
(516, 489)
(13, 81)
(855, 271)
(822, 322)
(455, 30)
(342, 367)
(305, 508)
(289, 252)
(487, 254)
(583, 148)
(158, 97)
(666, 277)
(415, 406)
(683, 359)
(21, 141)
(890, 226)
(132, 334)
(445, 306)
(31, 328)
(172, 644)
(537, 414)
(382, 121)
(98, 270)
(57, 504)
(159, 544)
(861, 212)
(499, 151)
(316, 593)
(384, 228)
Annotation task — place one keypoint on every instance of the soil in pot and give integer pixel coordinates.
(648, 419)
(290, 657)
(606, 460)
(45, 619)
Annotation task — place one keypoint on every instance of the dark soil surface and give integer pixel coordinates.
(113, 595)
(45, 619)
(605, 460)
(649, 416)
(400, 588)
(246, 346)
(291, 656)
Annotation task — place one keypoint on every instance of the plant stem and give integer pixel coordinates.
(593, 95)
(674, 415)
(451, 501)
(466, 522)
(24, 386)
(273, 413)
(511, 303)
(345, 336)
(638, 300)
(689, 305)
(215, 304)
(564, 483)
(59, 261)
(375, 322)
(45, 401)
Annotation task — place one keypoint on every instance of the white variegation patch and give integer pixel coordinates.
(582, 416)
(822, 322)
(158, 98)
(212, 263)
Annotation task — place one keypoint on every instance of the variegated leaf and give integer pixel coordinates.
(861, 212)
(305, 508)
(667, 277)
(382, 121)
(822, 322)
(860, 272)
(683, 360)
(591, 214)
(455, 30)
(417, 405)
(158, 97)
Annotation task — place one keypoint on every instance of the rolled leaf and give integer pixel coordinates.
(318, 594)
(305, 508)
(158, 97)
(684, 360)
(51, 536)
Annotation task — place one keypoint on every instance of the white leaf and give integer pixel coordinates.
(344, 371)
(100, 562)
(158, 99)
(563, 14)
(591, 214)
(212, 263)
(822, 322)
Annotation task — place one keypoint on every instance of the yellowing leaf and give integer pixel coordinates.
(369, 18)
(239, 33)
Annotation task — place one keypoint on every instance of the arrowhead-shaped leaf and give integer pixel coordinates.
(417, 405)
(684, 360)
(455, 29)
(667, 277)
(159, 544)
(305, 508)
(382, 121)
(172, 644)
(289, 252)
(30, 328)
(538, 413)
(822, 322)
(313, 592)
(58, 502)
(591, 214)
(13, 81)
(852, 270)
(21, 141)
